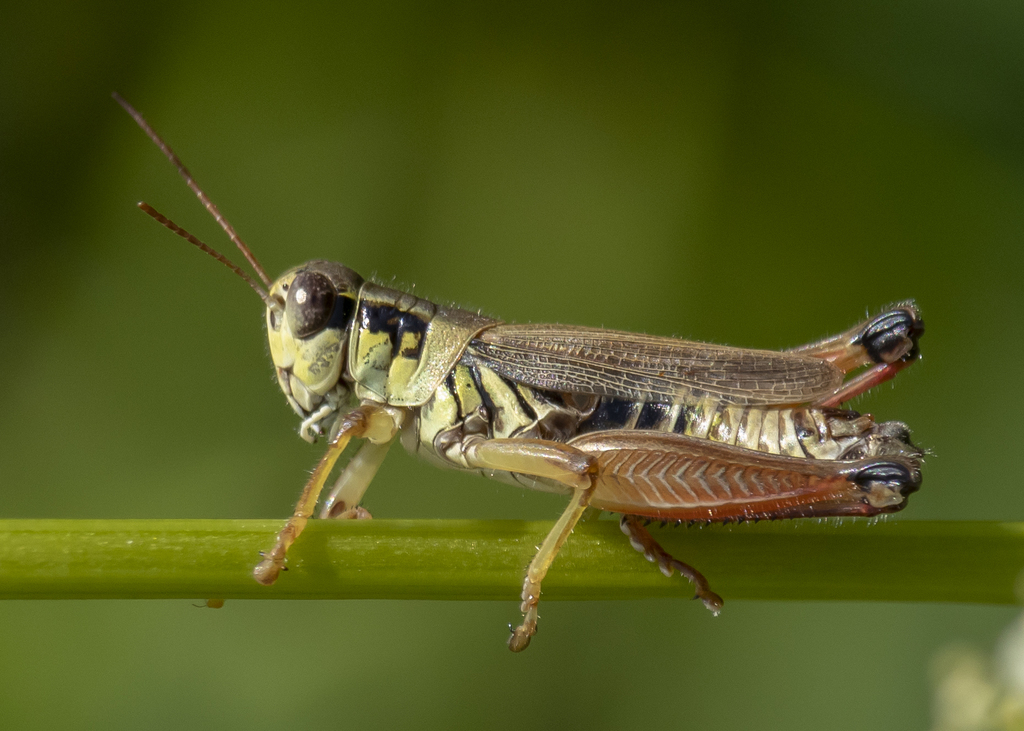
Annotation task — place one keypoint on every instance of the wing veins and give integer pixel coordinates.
(650, 368)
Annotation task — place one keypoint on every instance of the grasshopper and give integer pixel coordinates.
(652, 428)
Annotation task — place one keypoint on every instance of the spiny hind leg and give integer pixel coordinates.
(537, 458)
(343, 500)
(887, 343)
(371, 421)
(885, 339)
(862, 383)
(643, 541)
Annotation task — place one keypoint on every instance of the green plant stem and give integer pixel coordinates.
(457, 559)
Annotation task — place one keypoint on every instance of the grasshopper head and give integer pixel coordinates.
(309, 336)
(309, 309)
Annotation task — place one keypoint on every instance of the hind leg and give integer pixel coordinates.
(887, 338)
(887, 343)
(644, 542)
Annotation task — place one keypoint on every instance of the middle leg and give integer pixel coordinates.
(550, 460)
(343, 500)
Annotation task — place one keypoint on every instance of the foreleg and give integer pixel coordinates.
(343, 500)
(371, 421)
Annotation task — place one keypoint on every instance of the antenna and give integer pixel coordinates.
(203, 198)
(162, 219)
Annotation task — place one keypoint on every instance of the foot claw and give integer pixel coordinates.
(712, 601)
(266, 572)
(519, 640)
(356, 513)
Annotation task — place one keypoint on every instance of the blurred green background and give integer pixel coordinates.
(757, 176)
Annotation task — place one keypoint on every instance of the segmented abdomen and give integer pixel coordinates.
(475, 400)
(698, 460)
(796, 432)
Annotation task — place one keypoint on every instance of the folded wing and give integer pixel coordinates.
(649, 368)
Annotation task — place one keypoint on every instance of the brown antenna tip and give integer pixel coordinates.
(271, 302)
(190, 181)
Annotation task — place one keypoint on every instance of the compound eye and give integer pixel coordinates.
(309, 304)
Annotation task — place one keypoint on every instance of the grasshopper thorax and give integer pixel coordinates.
(309, 336)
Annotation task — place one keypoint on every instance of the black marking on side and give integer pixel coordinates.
(687, 415)
(449, 383)
(806, 431)
(611, 413)
(395, 322)
(555, 398)
(484, 396)
(523, 404)
(892, 336)
(342, 314)
(651, 414)
(891, 474)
